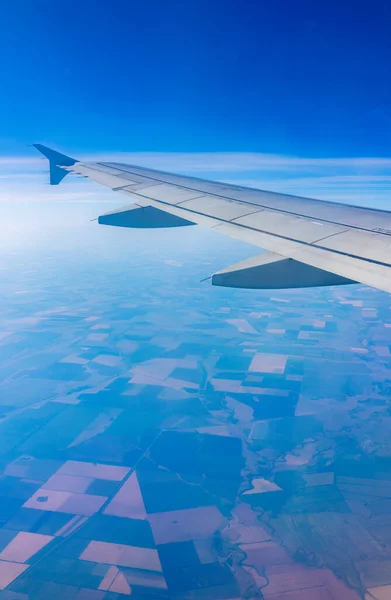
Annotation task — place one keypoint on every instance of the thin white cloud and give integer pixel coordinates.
(19, 160)
(351, 182)
(363, 180)
(19, 176)
(240, 161)
(220, 161)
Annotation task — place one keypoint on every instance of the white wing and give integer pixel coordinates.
(310, 242)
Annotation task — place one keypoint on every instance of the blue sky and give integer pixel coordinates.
(283, 77)
(293, 96)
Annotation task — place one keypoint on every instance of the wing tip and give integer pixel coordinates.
(57, 160)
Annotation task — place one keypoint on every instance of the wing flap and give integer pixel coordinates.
(170, 194)
(371, 246)
(306, 230)
(221, 208)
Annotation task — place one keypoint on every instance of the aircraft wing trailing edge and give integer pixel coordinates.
(310, 242)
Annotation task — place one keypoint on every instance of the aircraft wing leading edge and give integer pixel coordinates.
(309, 242)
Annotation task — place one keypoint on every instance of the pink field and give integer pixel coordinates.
(183, 525)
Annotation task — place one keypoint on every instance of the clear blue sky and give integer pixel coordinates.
(287, 77)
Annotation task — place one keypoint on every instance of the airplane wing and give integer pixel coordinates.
(309, 242)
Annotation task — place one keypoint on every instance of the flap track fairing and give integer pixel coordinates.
(272, 271)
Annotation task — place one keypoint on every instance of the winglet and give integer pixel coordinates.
(56, 161)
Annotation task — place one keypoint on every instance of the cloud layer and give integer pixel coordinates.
(355, 180)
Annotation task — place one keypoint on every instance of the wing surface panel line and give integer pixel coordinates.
(188, 200)
(326, 237)
(254, 212)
